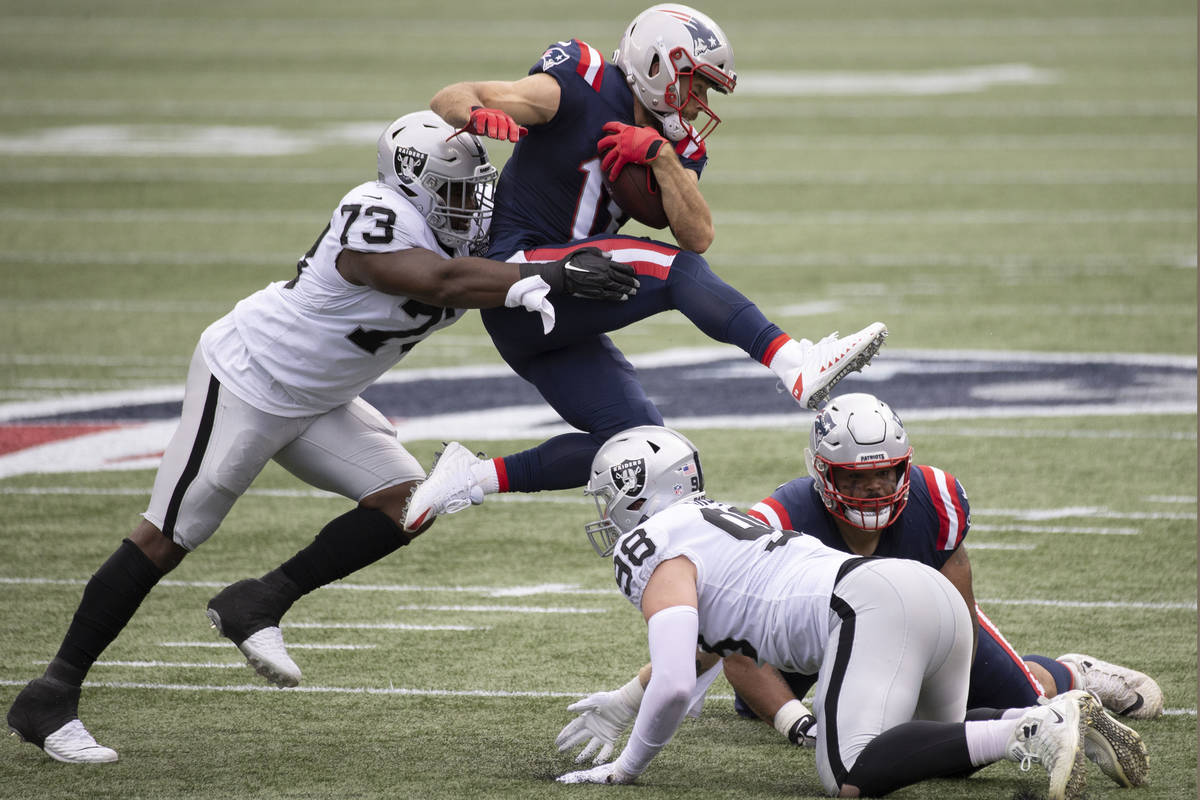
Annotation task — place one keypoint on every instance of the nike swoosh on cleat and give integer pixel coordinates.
(1136, 705)
(1060, 716)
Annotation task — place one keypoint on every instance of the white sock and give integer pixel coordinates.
(788, 357)
(987, 740)
(1013, 713)
(485, 476)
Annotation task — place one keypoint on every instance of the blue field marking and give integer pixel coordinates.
(718, 382)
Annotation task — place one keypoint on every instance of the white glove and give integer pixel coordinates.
(530, 293)
(605, 773)
(603, 718)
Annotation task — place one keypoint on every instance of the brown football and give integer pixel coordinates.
(636, 191)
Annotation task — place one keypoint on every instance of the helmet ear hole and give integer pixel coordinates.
(655, 66)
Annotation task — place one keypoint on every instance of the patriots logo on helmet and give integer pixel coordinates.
(630, 476)
(823, 424)
(410, 161)
(703, 37)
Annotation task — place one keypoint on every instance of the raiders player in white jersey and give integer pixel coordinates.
(279, 378)
(889, 638)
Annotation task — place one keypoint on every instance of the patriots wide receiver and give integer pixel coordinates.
(278, 378)
(889, 638)
(576, 118)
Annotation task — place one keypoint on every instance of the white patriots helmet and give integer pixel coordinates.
(448, 178)
(859, 431)
(662, 50)
(636, 474)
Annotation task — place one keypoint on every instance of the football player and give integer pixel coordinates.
(889, 638)
(863, 495)
(577, 118)
(278, 378)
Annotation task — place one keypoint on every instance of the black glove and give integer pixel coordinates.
(587, 273)
(801, 733)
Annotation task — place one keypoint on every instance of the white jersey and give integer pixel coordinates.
(312, 344)
(761, 591)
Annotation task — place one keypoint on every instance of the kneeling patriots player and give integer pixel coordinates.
(865, 496)
(889, 638)
(279, 378)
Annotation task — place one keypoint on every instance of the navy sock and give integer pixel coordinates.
(111, 597)
(347, 544)
(561, 462)
(1063, 681)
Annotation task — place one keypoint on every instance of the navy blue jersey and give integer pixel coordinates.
(929, 529)
(551, 190)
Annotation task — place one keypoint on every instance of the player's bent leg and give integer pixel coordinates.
(249, 612)
(353, 451)
(1000, 678)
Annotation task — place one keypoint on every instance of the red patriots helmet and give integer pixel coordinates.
(859, 432)
(662, 50)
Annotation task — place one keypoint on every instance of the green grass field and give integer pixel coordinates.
(1002, 177)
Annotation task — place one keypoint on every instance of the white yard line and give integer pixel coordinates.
(544, 589)
(290, 645)
(506, 609)
(389, 690)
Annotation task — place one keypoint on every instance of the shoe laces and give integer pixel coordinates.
(75, 737)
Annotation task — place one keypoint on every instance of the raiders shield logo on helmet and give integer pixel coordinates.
(630, 476)
(410, 161)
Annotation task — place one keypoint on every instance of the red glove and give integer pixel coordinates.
(628, 144)
(493, 123)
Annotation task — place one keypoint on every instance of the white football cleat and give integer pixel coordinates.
(267, 654)
(1116, 748)
(1053, 736)
(72, 744)
(1121, 690)
(831, 359)
(450, 488)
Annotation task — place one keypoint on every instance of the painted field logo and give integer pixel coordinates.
(713, 387)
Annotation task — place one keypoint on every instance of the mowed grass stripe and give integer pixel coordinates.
(609, 594)
(991, 216)
(715, 175)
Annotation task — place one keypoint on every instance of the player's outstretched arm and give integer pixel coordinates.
(498, 109)
(481, 282)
